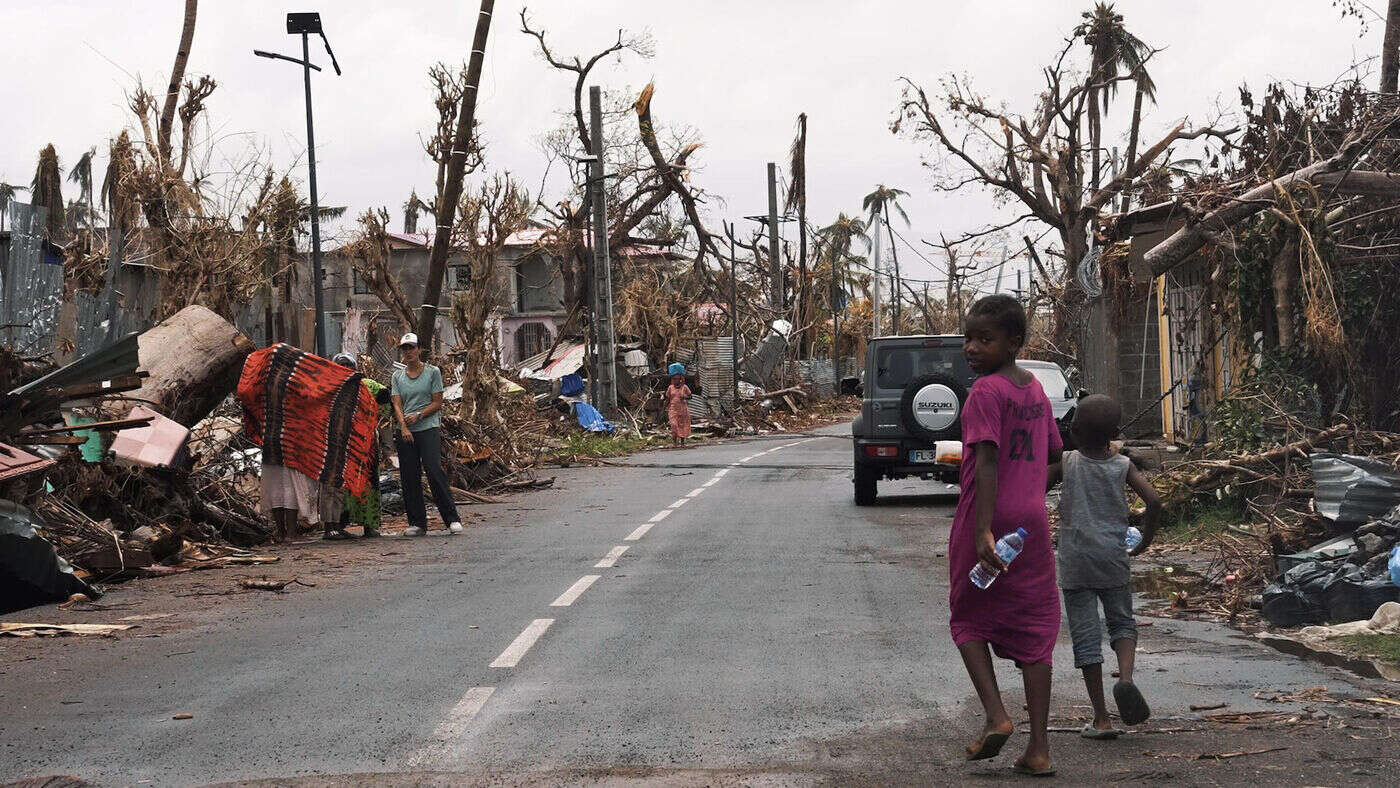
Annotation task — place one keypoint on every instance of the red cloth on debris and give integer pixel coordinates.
(309, 414)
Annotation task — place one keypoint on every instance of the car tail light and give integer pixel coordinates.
(882, 451)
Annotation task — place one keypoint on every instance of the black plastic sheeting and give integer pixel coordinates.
(1318, 592)
(31, 573)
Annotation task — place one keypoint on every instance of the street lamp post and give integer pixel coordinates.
(308, 24)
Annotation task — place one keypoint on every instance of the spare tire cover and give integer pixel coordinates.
(932, 405)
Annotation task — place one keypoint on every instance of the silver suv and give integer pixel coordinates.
(910, 417)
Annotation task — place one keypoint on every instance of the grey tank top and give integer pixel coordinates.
(1093, 522)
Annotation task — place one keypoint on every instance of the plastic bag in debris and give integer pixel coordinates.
(1394, 566)
(1290, 606)
(31, 573)
(1296, 598)
(1351, 596)
(590, 419)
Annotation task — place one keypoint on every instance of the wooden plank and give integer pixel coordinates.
(98, 426)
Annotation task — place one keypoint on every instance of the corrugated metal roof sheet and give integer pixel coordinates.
(1353, 490)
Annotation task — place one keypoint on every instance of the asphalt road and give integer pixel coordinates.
(714, 615)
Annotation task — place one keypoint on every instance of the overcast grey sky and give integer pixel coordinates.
(738, 72)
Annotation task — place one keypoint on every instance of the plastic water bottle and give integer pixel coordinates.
(1008, 547)
(1132, 539)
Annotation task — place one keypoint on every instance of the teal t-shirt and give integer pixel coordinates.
(417, 394)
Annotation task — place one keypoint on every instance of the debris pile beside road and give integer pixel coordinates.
(1315, 529)
(98, 458)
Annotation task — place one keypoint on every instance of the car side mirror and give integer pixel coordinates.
(1082, 394)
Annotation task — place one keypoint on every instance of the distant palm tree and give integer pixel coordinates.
(880, 203)
(81, 174)
(1113, 52)
(840, 236)
(7, 194)
(47, 190)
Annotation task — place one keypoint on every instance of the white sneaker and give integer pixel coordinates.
(414, 531)
(455, 528)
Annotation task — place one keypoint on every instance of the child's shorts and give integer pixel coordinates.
(1082, 610)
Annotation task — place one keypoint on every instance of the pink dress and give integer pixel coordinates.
(678, 410)
(1019, 615)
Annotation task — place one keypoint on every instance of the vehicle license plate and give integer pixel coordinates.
(923, 455)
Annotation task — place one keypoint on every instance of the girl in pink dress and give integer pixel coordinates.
(1009, 437)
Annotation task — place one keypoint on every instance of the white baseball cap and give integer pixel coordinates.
(408, 339)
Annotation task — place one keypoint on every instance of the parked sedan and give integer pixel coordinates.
(1058, 389)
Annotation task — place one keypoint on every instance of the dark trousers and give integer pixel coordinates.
(424, 454)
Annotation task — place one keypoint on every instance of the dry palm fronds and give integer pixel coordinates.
(47, 190)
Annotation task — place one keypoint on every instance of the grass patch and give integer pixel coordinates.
(1201, 519)
(599, 445)
(1383, 647)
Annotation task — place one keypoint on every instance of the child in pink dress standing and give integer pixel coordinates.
(678, 405)
(1009, 438)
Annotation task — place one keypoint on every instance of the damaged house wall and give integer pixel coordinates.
(526, 323)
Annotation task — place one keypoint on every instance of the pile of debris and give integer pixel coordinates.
(1322, 526)
(1345, 579)
(97, 458)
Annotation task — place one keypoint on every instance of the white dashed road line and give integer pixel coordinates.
(575, 591)
(610, 560)
(453, 727)
(522, 643)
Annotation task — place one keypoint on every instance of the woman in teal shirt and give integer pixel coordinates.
(417, 396)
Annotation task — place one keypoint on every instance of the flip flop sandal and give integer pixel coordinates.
(989, 746)
(1099, 734)
(1132, 707)
(1030, 772)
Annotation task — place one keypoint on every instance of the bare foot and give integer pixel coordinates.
(989, 744)
(1034, 763)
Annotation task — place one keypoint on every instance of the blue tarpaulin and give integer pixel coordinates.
(590, 419)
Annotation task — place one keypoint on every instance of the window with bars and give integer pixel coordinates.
(531, 339)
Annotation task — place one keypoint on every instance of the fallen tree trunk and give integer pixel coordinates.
(1196, 233)
(1246, 463)
(194, 359)
(1366, 182)
(780, 392)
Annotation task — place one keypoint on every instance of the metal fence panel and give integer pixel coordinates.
(31, 293)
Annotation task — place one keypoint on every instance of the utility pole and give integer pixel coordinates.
(1004, 254)
(835, 329)
(898, 283)
(606, 360)
(774, 259)
(875, 277)
(734, 317)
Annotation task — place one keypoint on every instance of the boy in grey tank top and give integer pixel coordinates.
(1092, 561)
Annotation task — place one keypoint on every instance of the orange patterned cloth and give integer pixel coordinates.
(310, 415)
